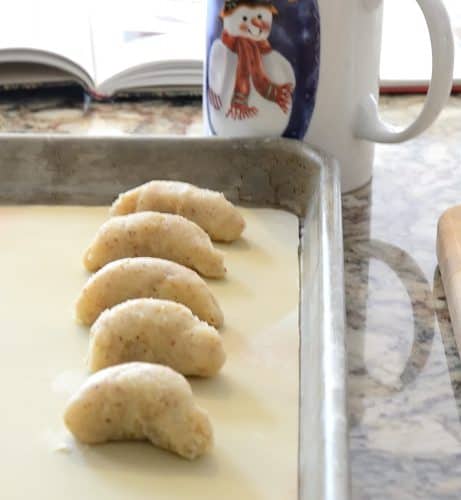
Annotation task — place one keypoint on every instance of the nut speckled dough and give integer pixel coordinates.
(209, 209)
(152, 234)
(140, 401)
(155, 331)
(138, 277)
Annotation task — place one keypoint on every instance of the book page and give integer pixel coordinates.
(406, 49)
(166, 39)
(32, 31)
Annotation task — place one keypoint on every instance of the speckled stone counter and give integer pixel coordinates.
(404, 369)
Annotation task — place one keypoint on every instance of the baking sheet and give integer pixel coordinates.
(282, 173)
(252, 403)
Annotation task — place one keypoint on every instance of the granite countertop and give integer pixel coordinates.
(404, 368)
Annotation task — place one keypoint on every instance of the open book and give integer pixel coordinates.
(107, 49)
(158, 45)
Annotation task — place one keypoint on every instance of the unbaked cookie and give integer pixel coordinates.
(140, 401)
(138, 277)
(209, 209)
(153, 234)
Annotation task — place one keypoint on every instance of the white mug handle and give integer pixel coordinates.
(369, 124)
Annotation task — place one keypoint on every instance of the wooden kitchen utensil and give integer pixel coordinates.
(449, 256)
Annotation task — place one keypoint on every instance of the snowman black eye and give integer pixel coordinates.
(245, 18)
(260, 16)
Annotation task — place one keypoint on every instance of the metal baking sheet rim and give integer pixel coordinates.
(67, 169)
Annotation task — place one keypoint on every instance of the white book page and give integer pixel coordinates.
(406, 50)
(148, 36)
(37, 31)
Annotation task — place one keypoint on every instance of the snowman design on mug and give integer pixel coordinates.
(250, 85)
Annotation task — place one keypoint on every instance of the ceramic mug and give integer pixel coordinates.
(309, 69)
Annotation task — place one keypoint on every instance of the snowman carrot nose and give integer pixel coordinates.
(259, 23)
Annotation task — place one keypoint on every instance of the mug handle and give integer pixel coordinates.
(369, 125)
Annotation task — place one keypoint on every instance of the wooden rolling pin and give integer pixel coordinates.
(449, 256)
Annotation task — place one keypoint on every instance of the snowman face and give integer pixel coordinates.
(254, 23)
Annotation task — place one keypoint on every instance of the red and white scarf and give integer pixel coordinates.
(250, 66)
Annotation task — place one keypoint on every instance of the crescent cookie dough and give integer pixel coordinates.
(140, 401)
(152, 234)
(155, 331)
(209, 209)
(138, 277)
